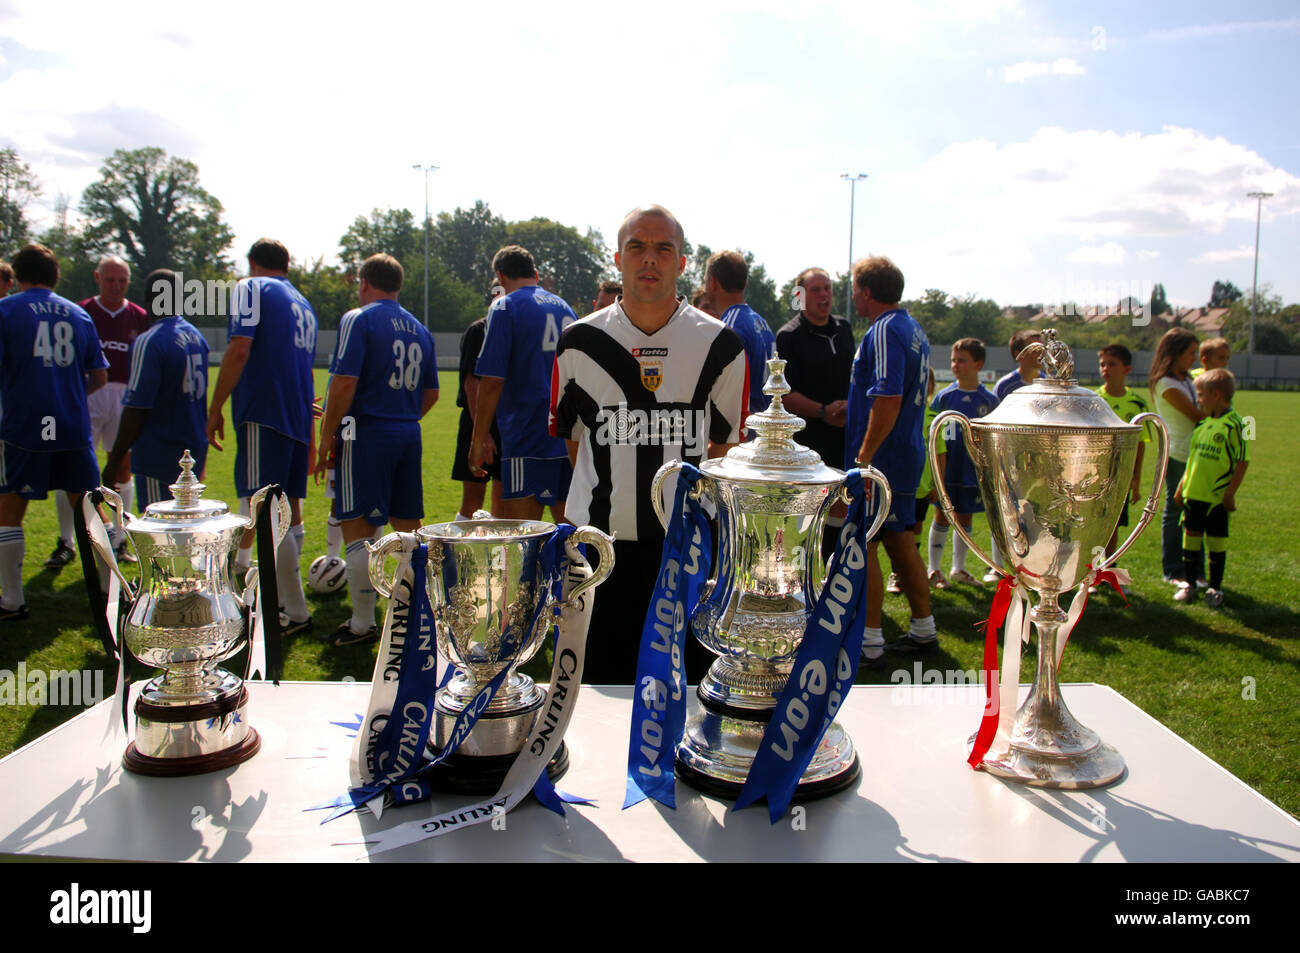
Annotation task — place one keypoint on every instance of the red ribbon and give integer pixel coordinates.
(989, 723)
(1109, 577)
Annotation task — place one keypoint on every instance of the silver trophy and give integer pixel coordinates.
(492, 611)
(186, 617)
(772, 496)
(1054, 464)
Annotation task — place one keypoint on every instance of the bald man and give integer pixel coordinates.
(118, 322)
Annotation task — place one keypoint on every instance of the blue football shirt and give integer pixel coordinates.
(168, 376)
(276, 388)
(523, 329)
(972, 403)
(760, 344)
(47, 346)
(893, 360)
(392, 357)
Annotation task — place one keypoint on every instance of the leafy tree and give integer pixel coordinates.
(761, 295)
(76, 263)
(573, 263)
(18, 188)
(331, 290)
(152, 208)
(1223, 294)
(391, 231)
(466, 240)
(1159, 303)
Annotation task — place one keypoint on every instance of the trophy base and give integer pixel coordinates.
(182, 740)
(720, 744)
(471, 774)
(1102, 766)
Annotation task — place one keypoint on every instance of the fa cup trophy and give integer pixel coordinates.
(185, 618)
(1054, 464)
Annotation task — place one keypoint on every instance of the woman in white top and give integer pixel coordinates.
(1175, 402)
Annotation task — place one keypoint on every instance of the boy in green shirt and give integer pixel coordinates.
(1216, 465)
(1115, 363)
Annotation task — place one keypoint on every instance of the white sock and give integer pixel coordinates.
(12, 547)
(244, 557)
(127, 492)
(938, 539)
(923, 630)
(959, 550)
(288, 576)
(995, 552)
(333, 537)
(873, 643)
(67, 528)
(360, 588)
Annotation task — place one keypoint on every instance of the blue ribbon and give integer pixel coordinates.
(659, 696)
(823, 669)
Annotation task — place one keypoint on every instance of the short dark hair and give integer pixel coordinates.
(1215, 346)
(161, 288)
(728, 268)
(881, 277)
(803, 276)
(697, 297)
(1119, 352)
(972, 346)
(611, 287)
(1022, 339)
(36, 265)
(679, 232)
(514, 261)
(1218, 379)
(270, 254)
(383, 272)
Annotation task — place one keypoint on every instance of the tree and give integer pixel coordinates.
(151, 209)
(18, 188)
(391, 231)
(332, 291)
(1223, 294)
(570, 263)
(466, 240)
(1159, 303)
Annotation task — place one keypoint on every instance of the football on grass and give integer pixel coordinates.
(327, 574)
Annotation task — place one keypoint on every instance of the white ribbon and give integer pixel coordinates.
(553, 717)
(1015, 634)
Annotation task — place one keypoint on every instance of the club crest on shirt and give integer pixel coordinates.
(651, 360)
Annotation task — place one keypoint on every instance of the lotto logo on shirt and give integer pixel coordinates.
(651, 360)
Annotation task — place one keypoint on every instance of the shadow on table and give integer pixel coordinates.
(139, 819)
(1144, 834)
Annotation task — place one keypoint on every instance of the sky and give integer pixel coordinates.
(1021, 151)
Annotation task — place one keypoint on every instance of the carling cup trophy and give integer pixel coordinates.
(185, 618)
(772, 496)
(493, 606)
(1055, 465)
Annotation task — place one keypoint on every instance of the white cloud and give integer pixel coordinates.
(1146, 254)
(1201, 31)
(1225, 254)
(1111, 253)
(1027, 70)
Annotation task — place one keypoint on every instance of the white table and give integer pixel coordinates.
(66, 795)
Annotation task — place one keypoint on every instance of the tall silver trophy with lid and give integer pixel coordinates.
(185, 618)
(1055, 465)
(772, 497)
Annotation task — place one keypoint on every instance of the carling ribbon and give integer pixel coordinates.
(823, 669)
(659, 694)
(105, 609)
(528, 772)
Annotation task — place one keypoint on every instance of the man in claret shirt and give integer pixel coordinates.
(649, 356)
(118, 323)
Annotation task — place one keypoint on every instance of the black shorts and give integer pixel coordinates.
(922, 504)
(460, 463)
(1210, 519)
(1123, 514)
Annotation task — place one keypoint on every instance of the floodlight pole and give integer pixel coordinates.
(426, 169)
(853, 181)
(1254, 282)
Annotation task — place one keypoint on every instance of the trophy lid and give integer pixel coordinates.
(187, 507)
(773, 455)
(1055, 399)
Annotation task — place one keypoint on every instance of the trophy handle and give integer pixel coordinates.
(99, 538)
(936, 434)
(886, 498)
(281, 503)
(604, 546)
(1157, 484)
(657, 490)
(394, 544)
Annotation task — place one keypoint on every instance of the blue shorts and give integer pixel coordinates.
(902, 513)
(265, 456)
(377, 474)
(546, 478)
(965, 499)
(150, 490)
(32, 475)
